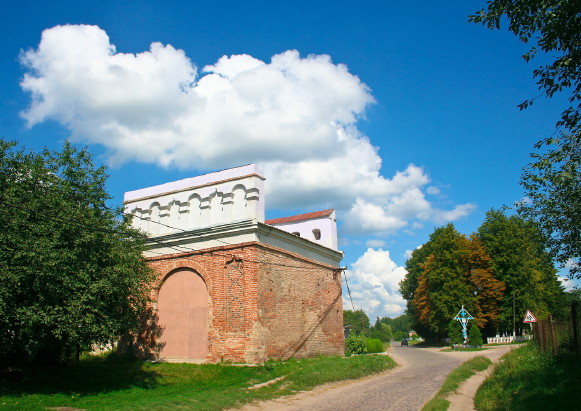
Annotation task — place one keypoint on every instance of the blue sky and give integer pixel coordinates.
(409, 122)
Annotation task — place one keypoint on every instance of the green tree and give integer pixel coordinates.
(401, 323)
(409, 285)
(552, 185)
(457, 271)
(358, 320)
(552, 182)
(72, 269)
(475, 336)
(455, 333)
(519, 260)
(381, 331)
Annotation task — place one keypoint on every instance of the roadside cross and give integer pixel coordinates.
(463, 316)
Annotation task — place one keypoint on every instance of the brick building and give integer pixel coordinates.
(233, 286)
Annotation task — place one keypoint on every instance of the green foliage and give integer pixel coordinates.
(400, 323)
(455, 333)
(399, 335)
(456, 271)
(519, 259)
(381, 331)
(552, 182)
(72, 270)
(357, 319)
(355, 344)
(555, 27)
(527, 379)
(409, 285)
(129, 385)
(475, 336)
(373, 345)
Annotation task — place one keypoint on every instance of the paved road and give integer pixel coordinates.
(408, 387)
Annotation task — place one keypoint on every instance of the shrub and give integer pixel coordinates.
(455, 333)
(355, 344)
(475, 336)
(373, 345)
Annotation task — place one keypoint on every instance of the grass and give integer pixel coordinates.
(466, 370)
(99, 383)
(528, 379)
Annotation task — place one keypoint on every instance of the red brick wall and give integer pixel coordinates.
(264, 302)
(300, 312)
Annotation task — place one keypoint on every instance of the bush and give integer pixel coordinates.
(355, 344)
(455, 333)
(374, 345)
(475, 336)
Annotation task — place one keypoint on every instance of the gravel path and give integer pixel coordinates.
(409, 386)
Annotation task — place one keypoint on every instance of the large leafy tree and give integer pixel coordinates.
(552, 185)
(520, 260)
(552, 181)
(456, 271)
(358, 320)
(409, 285)
(71, 269)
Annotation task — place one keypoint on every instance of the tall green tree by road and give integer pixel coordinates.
(410, 283)
(357, 319)
(519, 259)
(552, 182)
(456, 272)
(402, 323)
(72, 272)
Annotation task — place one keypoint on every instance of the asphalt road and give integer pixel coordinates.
(408, 387)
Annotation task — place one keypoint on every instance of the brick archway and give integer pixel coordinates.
(182, 304)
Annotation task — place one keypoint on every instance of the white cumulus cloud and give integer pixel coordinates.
(294, 116)
(374, 284)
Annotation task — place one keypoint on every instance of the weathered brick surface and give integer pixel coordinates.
(264, 302)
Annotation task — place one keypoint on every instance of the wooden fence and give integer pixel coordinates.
(550, 334)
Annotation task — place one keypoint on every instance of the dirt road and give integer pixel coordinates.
(420, 373)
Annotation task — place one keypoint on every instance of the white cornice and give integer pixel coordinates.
(239, 232)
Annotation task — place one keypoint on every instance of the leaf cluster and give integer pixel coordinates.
(72, 271)
(519, 259)
(449, 271)
(356, 343)
(554, 27)
(551, 181)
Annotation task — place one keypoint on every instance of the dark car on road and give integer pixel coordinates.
(404, 342)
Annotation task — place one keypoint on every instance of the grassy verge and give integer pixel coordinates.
(527, 379)
(466, 370)
(117, 384)
(463, 349)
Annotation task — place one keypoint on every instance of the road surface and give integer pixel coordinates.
(417, 378)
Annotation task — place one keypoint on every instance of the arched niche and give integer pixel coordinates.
(182, 305)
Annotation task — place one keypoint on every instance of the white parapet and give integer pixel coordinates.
(223, 197)
(319, 227)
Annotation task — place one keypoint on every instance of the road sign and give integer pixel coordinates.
(529, 318)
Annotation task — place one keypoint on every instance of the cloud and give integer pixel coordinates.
(433, 190)
(296, 117)
(374, 283)
(374, 243)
